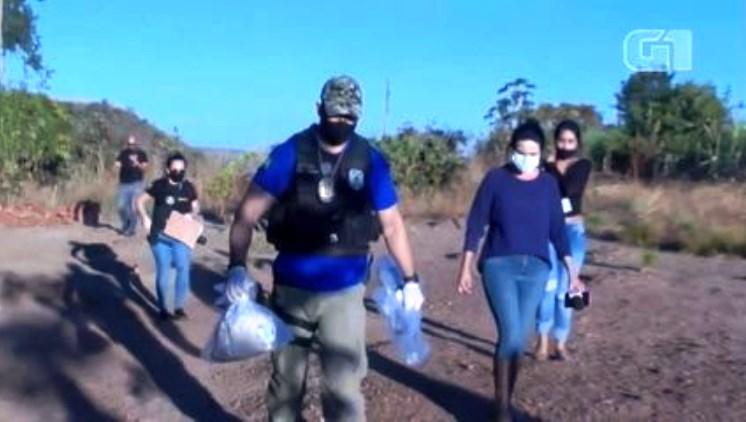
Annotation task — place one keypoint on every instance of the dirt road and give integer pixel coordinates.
(79, 340)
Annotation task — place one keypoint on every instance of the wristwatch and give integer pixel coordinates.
(414, 278)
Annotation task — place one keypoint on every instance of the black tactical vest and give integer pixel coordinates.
(301, 223)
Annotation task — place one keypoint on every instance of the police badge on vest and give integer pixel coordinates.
(327, 210)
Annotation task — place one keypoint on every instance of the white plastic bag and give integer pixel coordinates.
(246, 329)
(251, 288)
(404, 326)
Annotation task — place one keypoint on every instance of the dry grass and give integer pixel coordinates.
(448, 203)
(703, 219)
(100, 186)
(91, 186)
(451, 202)
(699, 218)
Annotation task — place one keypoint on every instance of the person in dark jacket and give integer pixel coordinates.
(519, 206)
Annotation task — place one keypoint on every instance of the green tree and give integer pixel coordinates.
(674, 129)
(732, 156)
(607, 149)
(18, 35)
(699, 122)
(643, 104)
(549, 115)
(513, 105)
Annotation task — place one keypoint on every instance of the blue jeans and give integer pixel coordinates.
(171, 253)
(553, 317)
(514, 285)
(126, 196)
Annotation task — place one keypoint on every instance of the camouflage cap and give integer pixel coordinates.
(341, 96)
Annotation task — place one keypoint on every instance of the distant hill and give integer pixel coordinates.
(100, 131)
(221, 151)
(70, 148)
(221, 154)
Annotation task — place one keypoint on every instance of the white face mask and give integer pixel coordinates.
(525, 163)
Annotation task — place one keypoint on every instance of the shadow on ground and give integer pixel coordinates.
(101, 258)
(444, 332)
(96, 301)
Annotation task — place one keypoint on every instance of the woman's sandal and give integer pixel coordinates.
(561, 355)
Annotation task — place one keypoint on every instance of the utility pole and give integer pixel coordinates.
(385, 107)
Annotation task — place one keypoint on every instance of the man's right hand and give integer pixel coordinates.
(240, 285)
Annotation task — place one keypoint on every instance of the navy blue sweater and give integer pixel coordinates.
(521, 217)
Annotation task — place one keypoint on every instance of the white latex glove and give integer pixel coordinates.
(239, 284)
(410, 296)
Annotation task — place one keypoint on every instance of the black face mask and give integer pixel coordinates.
(176, 176)
(564, 154)
(335, 133)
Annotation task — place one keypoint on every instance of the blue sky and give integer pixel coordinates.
(247, 74)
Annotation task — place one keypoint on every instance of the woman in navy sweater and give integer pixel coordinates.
(521, 209)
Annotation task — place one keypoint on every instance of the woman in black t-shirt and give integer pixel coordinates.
(171, 193)
(572, 172)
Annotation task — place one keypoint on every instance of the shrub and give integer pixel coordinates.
(648, 258)
(639, 233)
(226, 186)
(35, 140)
(424, 161)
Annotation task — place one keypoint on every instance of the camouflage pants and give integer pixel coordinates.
(335, 322)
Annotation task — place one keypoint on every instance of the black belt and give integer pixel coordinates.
(311, 327)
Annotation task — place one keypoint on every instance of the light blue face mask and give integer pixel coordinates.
(525, 163)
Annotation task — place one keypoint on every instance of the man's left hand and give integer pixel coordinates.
(410, 296)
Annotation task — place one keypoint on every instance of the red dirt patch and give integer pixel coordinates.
(31, 215)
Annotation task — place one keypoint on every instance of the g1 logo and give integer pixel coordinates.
(658, 50)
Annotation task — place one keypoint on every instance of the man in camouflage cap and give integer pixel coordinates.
(329, 194)
(341, 96)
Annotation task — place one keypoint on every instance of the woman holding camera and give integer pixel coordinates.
(520, 207)
(572, 172)
(171, 193)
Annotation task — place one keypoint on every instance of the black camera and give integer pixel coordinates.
(578, 300)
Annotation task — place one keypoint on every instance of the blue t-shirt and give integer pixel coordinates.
(521, 217)
(322, 273)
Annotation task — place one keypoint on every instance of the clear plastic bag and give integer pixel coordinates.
(245, 330)
(405, 327)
